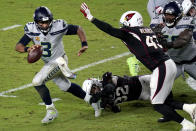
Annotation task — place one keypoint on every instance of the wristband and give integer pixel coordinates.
(84, 43)
(26, 48)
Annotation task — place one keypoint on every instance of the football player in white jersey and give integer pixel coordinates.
(155, 10)
(178, 38)
(48, 33)
(151, 55)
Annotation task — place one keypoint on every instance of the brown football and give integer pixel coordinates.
(35, 54)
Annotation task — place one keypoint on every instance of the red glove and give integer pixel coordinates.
(86, 11)
(159, 10)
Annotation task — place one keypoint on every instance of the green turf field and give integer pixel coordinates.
(23, 113)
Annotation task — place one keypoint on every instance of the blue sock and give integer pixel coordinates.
(77, 91)
(44, 93)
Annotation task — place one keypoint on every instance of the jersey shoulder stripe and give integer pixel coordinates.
(30, 27)
(185, 26)
(59, 26)
(33, 34)
(58, 32)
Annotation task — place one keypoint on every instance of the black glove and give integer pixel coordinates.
(116, 109)
(95, 97)
(165, 44)
(157, 29)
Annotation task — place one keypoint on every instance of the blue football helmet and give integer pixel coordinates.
(173, 9)
(43, 14)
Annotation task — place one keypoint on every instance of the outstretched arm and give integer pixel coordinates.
(100, 24)
(82, 36)
(183, 39)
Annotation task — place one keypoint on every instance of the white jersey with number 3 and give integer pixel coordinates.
(51, 43)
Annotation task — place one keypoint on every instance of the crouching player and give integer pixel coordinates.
(113, 89)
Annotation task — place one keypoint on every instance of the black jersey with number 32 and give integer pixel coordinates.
(141, 41)
(126, 89)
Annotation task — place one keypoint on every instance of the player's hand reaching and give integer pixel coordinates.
(86, 11)
(159, 10)
(82, 50)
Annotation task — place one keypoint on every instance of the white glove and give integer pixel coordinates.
(86, 11)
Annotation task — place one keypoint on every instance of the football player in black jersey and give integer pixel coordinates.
(114, 89)
(142, 42)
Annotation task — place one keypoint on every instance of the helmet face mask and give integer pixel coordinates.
(43, 19)
(131, 19)
(92, 86)
(172, 13)
(94, 89)
(170, 19)
(44, 26)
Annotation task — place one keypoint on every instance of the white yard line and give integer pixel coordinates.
(190, 81)
(15, 89)
(101, 61)
(53, 100)
(10, 27)
(74, 70)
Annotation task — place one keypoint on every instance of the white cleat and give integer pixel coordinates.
(96, 107)
(51, 114)
(98, 113)
(188, 126)
(193, 114)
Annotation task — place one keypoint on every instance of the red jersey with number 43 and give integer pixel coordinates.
(141, 41)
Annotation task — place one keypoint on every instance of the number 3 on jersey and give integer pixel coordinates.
(152, 41)
(46, 49)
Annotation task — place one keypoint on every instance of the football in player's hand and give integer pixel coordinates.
(34, 54)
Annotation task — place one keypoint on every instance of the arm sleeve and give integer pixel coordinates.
(25, 40)
(183, 39)
(107, 28)
(72, 29)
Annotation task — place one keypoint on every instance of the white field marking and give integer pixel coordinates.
(74, 70)
(101, 61)
(53, 100)
(10, 27)
(191, 82)
(15, 89)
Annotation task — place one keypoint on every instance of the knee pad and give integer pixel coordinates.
(37, 81)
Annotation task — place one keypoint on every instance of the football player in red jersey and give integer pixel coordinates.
(142, 42)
